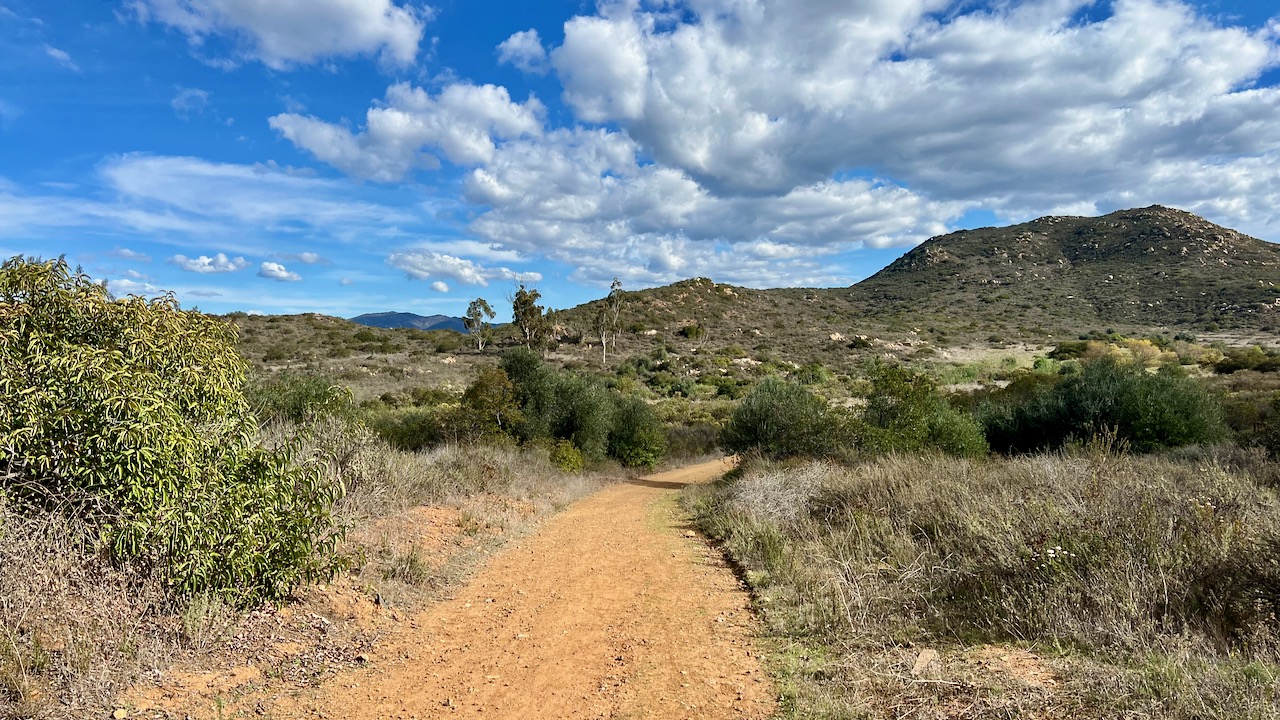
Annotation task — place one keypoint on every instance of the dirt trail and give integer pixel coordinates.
(611, 610)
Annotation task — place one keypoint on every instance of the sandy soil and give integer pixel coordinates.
(613, 609)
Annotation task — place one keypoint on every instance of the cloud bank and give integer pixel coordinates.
(284, 33)
(752, 141)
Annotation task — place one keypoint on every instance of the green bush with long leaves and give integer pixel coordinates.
(1148, 411)
(637, 438)
(781, 419)
(129, 415)
(906, 413)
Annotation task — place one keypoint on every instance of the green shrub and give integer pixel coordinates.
(582, 413)
(637, 438)
(813, 373)
(560, 405)
(294, 397)
(129, 415)
(567, 457)
(905, 412)
(412, 428)
(692, 441)
(1250, 358)
(693, 332)
(781, 419)
(1147, 411)
(1070, 350)
(489, 407)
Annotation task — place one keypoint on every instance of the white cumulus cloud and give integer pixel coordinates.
(463, 123)
(219, 263)
(440, 287)
(125, 286)
(277, 272)
(756, 142)
(426, 264)
(524, 50)
(285, 33)
(971, 102)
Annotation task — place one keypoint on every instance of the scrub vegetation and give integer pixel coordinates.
(1074, 513)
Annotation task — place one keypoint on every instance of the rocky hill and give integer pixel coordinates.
(1150, 270)
(1150, 267)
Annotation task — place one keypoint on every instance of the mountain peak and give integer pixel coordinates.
(1150, 266)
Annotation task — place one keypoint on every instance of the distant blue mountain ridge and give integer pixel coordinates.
(410, 320)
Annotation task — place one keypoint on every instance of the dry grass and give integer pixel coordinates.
(73, 629)
(1141, 586)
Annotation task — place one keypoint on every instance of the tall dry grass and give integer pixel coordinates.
(1154, 582)
(73, 629)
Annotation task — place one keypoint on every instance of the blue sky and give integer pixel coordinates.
(347, 156)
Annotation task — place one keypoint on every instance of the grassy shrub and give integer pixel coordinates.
(74, 630)
(781, 419)
(1158, 575)
(567, 457)
(294, 397)
(1147, 411)
(129, 416)
(905, 412)
(692, 441)
(814, 373)
(636, 438)
(412, 428)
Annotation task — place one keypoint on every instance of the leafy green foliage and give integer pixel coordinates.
(562, 405)
(489, 406)
(1249, 358)
(1148, 411)
(906, 412)
(477, 320)
(637, 438)
(779, 418)
(567, 457)
(582, 413)
(527, 315)
(130, 416)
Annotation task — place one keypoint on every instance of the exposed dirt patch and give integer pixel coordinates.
(1016, 663)
(612, 610)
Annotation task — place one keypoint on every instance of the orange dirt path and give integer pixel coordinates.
(611, 610)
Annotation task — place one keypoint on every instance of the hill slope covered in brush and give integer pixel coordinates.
(1149, 267)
